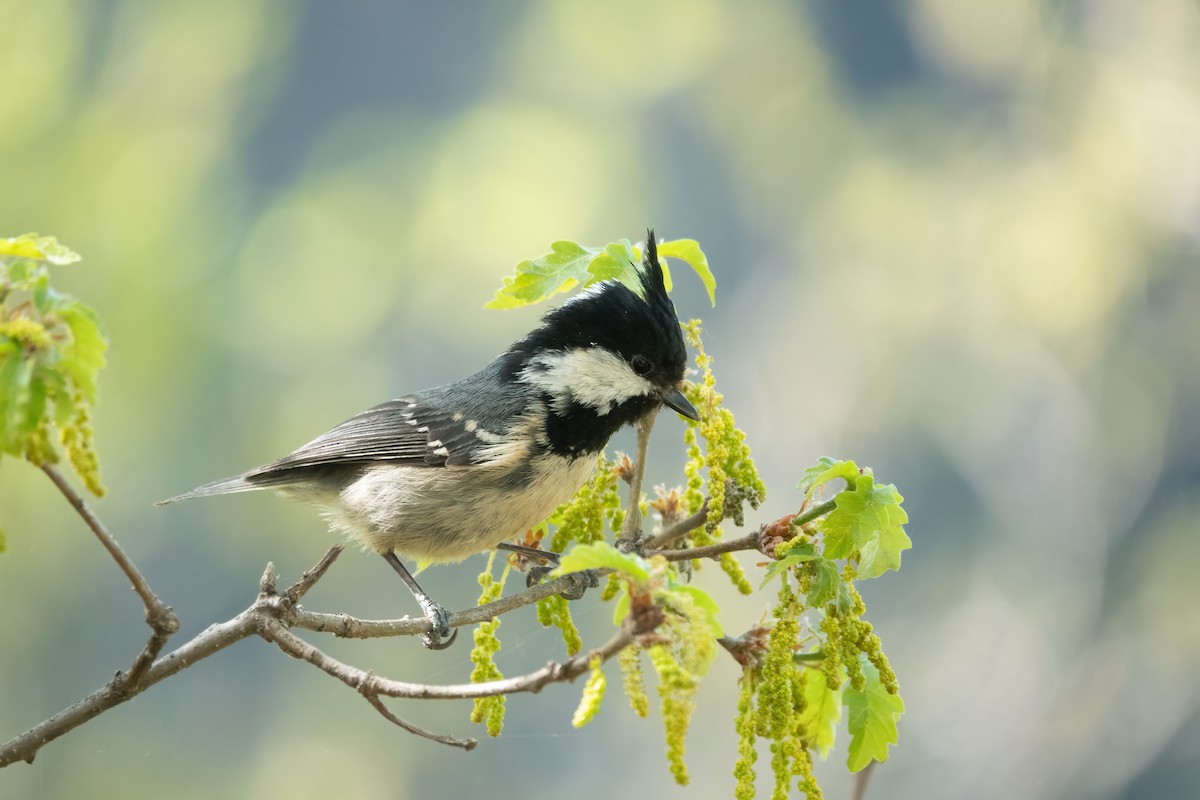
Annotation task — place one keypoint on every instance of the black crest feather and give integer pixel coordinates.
(612, 315)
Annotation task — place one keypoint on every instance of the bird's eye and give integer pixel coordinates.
(640, 364)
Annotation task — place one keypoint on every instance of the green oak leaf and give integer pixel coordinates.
(826, 585)
(600, 555)
(825, 470)
(569, 265)
(83, 355)
(868, 518)
(617, 261)
(540, 278)
(40, 248)
(872, 715)
(688, 250)
(782, 564)
(704, 601)
(822, 710)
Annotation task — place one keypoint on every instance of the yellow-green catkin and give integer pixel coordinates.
(611, 587)
(728, 455)
(593, 694)
(488, 710)
(582, 518)
(78, 440)
(630, 661)
(39, 449)
(733, 569)
(781, 766)
(802, 767)
(858, 636)
(725, 456)
(775, 705)
(831, 665)
(677, 690)
(745, 726)
(27, 333)
(556, 610)
(693, 635)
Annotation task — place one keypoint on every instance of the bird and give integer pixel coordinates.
(443, 473)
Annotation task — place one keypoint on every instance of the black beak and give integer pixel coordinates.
(674, 399)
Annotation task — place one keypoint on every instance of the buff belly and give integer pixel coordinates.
(445, 513)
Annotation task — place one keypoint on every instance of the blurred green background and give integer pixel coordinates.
(956, 240)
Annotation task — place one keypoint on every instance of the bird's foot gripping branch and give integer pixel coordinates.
(811, 657)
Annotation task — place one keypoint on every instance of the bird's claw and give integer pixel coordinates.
(440, 635)
(538, 571)
(580, 582)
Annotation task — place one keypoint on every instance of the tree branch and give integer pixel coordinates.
(631, 528)
(681, 528)
(214, 639)
(273, 614)
(861, 779)
(748, 542)
(159, 616)
(348, 627)
(377, 704)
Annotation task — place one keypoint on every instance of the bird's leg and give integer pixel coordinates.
(581, 581)
(439, 618)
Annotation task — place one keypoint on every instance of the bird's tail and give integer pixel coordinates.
(223, 486)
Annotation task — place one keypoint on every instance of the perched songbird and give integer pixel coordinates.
(447, 472)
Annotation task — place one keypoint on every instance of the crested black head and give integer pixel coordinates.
(605, 358)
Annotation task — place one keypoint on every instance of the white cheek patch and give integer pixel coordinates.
(592, 376)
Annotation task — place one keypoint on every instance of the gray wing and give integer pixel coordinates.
(404, 431)
(440, 427)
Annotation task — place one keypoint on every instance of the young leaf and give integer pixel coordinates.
(872, 719)
(825, 470)
(789, 560)
(617, 261)
(688, 250)
(822, 710)
(570, 264)
(621, 607)
(83, 355)
(20, 247)
(538, 279)
(41, 248)
(868, 518)
(56, 253)
(705, 602)
(10, 374)
(825, 586)
(599, 555)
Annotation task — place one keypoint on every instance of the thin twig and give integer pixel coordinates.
(214, 639)
(811, 513)
(748, 542)
(348, 627)
(861, 779)
(300, 588)
(158, 615)
(631, 528)
(377, 704)
(681, 528)
(369, 683)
